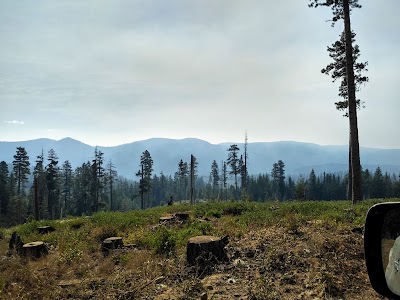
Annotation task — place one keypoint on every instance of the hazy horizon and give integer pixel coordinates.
(186, 138)
(113, 72)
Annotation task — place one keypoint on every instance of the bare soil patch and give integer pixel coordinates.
(312, 261)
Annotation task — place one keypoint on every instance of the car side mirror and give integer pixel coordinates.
(382, 248)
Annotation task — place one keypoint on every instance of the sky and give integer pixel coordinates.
(113, 72)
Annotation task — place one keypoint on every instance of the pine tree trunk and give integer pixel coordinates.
(142, 190)
(111, 196)
(35, 180)
(191, 179)
(354, 144)
(350, 182)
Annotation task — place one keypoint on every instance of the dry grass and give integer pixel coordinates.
(289, 251)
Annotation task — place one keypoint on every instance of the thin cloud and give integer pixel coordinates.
(14, 122)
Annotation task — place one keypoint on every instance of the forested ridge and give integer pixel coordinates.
(46, 188)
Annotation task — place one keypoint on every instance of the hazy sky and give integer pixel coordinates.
(112, 72)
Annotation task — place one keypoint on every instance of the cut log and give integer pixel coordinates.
(205, 249)
(112, 243)
(34, 249)
(45, 229)
(131, 246)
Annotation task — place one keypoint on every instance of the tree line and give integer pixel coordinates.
(48, 189)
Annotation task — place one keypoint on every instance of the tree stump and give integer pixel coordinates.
(201, 250)
(15, 244)
(45, 229)
(112, 243)
(167, 219)
(183, 216)
(34, 249)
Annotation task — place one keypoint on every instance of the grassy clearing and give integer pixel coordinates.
(231, 218)
(75, 246)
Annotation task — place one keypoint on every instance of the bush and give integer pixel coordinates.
(236, 209)
(77, 223)
(165, 242)
(161, 241)
(214, 213)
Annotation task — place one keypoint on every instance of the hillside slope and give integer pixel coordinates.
(297, 250)
(299, 158)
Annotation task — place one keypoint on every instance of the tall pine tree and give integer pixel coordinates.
(97, 178)
(53, 187)
(144, 173)
(111, 175)
(66, 173)
(5, 192)
(215, 175)
(233, 163)
(21, 169)
(337, 70)
(41, 187)
(341, 11)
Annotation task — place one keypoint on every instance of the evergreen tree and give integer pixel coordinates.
(193, 176)
(81, 189)
(341, 11)
(183, 173)
(224, 179)
(378, 184)
(300, 190)
(215, 176)
(161, 186)
(21, 169)
(278, 176)
(66, 187)
(312, 193)
(337, 70)
(17, 210)
(5, 193)
(233, 163)
(291, 188)
(111, 175)
(146, 169)
(40, 179)
(367, 183)
(243, 169)
(97, 179)
(53, 187)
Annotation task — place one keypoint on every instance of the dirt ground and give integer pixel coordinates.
(311, 263)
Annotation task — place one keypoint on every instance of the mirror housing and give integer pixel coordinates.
(375, 226)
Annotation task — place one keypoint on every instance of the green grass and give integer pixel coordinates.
(74, 235)
(76, 251)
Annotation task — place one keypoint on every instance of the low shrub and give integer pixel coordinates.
(162, 241)
(214, 213)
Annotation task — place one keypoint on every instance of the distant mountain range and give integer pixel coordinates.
(299, 158)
